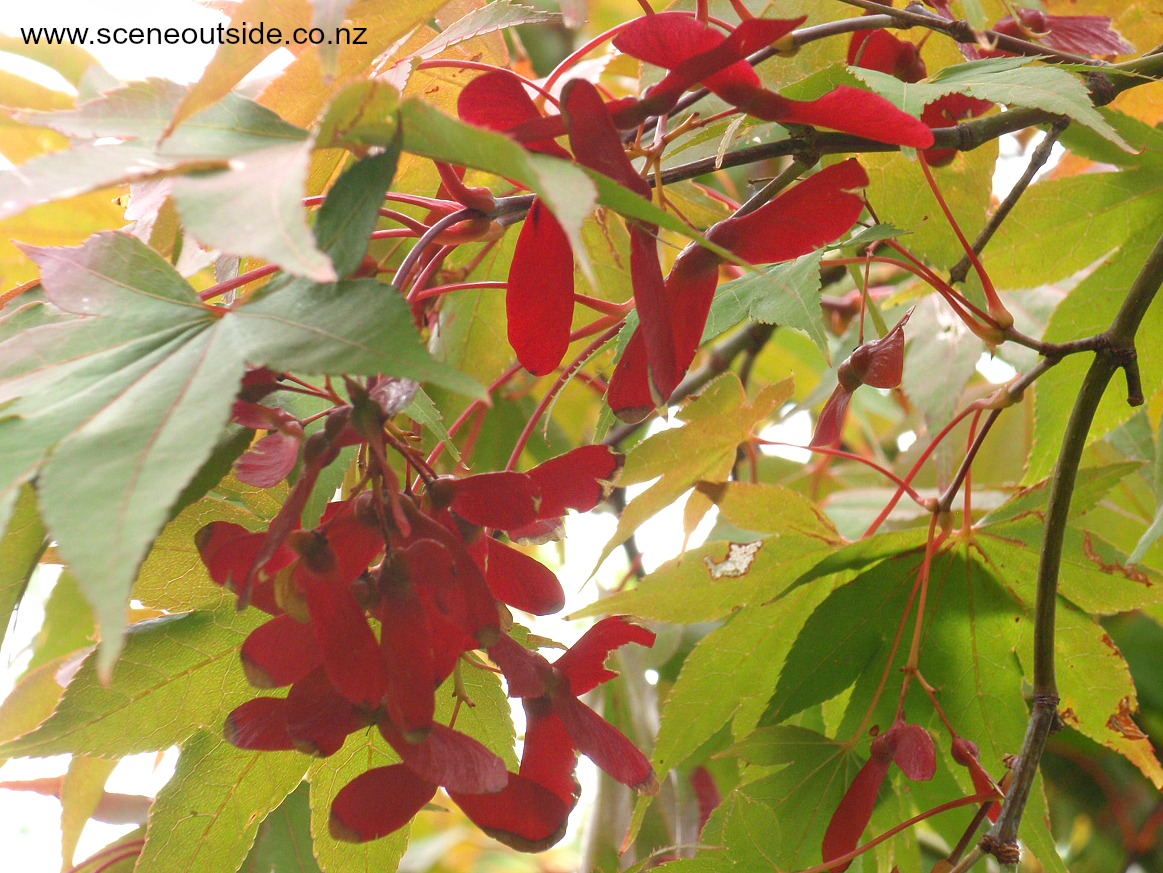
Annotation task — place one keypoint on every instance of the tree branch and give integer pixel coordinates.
(962, 31)
(722, 355)
(1037, 160)
(1001, 841)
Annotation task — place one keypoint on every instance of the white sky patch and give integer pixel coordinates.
(1012, 161)
(994, 369)
(796, 429)
(905, 441)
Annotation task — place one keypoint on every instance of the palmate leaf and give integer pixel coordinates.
(1061, 226)
(731, 673)
(141, 111)
(717, 422)
(498, 15)
(1155, 530)
(176, 675)
(138, 114)
(1098, 693)
(967, 653)
(1082, 313)
(980, 603)
(901, 197)
(232, 61)
(21, 547)
(283, 843)
(208, 814)
(784, 294)
(82, 789)
(793, 805)
(716, 579)
(253, 200)
(125, 400)
(254, 208)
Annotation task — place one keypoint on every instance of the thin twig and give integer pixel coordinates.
(1037, 160)
(432, 233)
(722, 355)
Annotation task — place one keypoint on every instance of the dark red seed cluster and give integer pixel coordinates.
(372, 610)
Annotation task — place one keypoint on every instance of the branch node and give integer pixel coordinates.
(1127, 359)
(1102, 89)
(1005, 852)
(968, 137)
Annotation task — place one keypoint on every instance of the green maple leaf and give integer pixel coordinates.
(115, 411)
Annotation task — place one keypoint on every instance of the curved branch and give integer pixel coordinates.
(1117, 354)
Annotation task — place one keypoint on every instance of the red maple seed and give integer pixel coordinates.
(879, 363)
(558, 686)
(319, 717)
(280, 652)
(259, 725)
(966, 754)
(855, 811)
(819, 210)
(707, 793)
(695, 52)
(378, 802)
(520, 581)
(1091, 35)
(523, 815)
(912, 750)
(539, 298)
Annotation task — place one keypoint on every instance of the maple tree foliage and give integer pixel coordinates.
(307, 384)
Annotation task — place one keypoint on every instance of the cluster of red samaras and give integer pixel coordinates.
(429, 577)
(672, 310)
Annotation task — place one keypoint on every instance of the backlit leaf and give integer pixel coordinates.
(1011, 81)
(176, 675)
(20, 549)
(494, 16)
(784, 294)
(1088, 310)
(283, 843)
(81, 791)
(133, 392)
(207, 815)
(351, 210)
(363, 751)
(711, 581)
(717, 421)
(256, 204)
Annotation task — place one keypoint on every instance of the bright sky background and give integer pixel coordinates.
(31, 823)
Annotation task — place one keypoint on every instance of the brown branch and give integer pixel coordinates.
(748, 340)
(962, 31)
(1037, 160)
(1002, 840)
